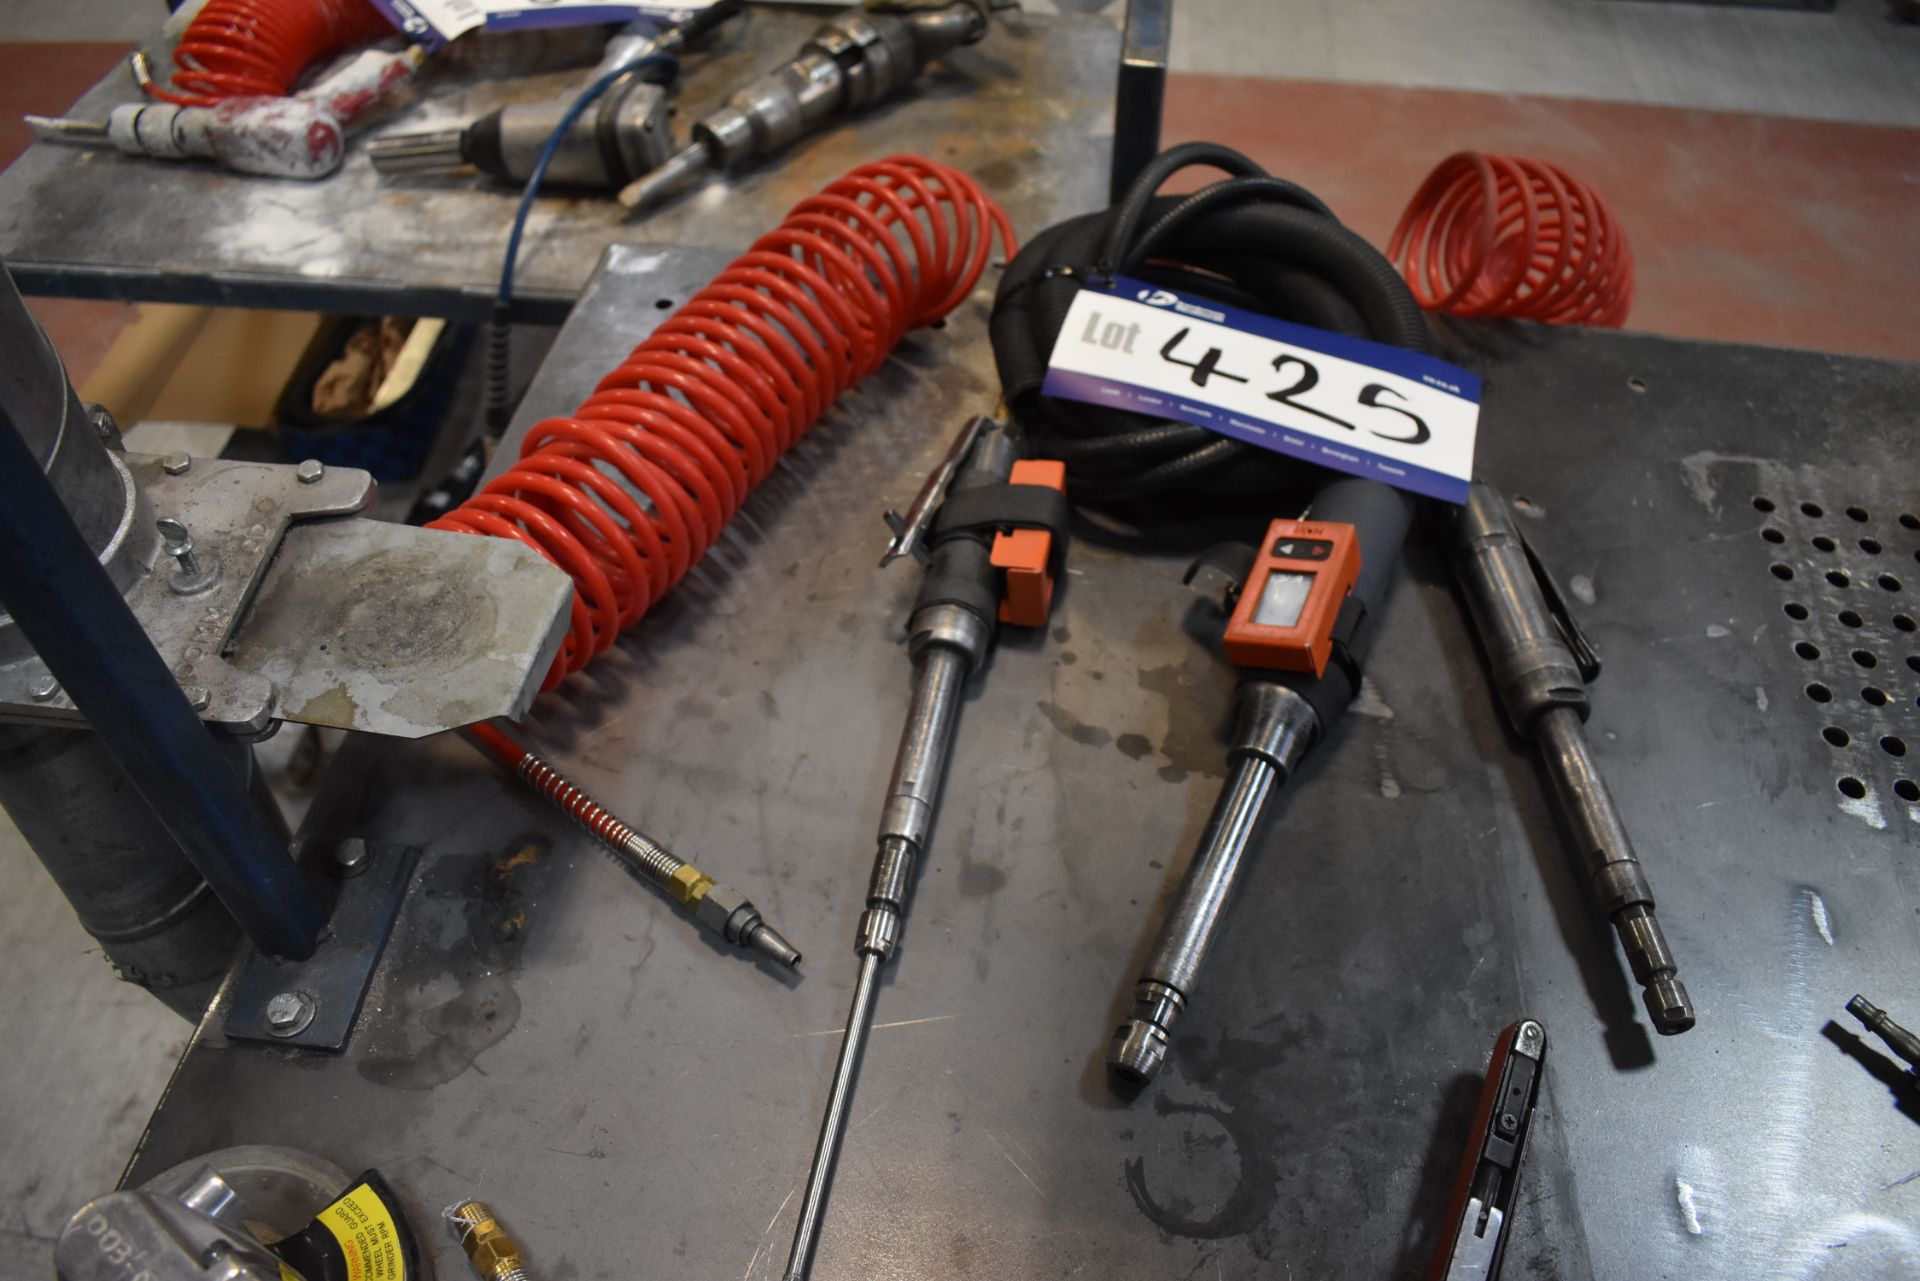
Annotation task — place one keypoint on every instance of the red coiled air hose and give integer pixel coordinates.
(1507, 236)
(699, 412)
(258, 48)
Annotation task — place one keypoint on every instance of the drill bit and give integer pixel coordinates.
(716, 907)
(1898, 1039)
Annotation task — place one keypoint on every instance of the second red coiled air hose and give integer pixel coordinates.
(1508, 236)
(696, 416)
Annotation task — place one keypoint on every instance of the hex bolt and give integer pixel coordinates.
(102, 420)
(175, 464)
(352, 856)
(190, 575)
(198, 696)
(310, 471)
(43, 688)
(289, 1013)
(179, 543)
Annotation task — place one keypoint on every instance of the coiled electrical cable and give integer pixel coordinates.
(1507, 236)
(259, 48)
(1251, 240)
(628, 491)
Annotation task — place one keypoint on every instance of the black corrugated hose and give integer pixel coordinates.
(1251, 240)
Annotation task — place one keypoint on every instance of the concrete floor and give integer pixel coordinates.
(90, 1055)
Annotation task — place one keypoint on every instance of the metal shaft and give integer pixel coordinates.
(1274, 728)
(59, 129)
(918, 769)
(1140, 1044)
(833, 1126)
(674, 175)
(1619, 885)
(427, 150)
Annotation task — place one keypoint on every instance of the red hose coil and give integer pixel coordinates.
(258, 48)
(1507, 236)
(699, 412)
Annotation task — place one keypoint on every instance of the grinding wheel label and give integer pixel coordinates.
(1368, 409)
(369, 1239)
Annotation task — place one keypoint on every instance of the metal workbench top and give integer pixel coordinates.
(554, 1039)
(1028, 111)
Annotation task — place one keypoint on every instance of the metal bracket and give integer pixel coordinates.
(275, 602)
(314, 1003)
(238, 513)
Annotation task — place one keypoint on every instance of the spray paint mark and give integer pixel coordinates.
(1867, 810)
(1582, 588)
(1817, 908)
(1715, 631)
(1760, 697)
(1369, 703)
(1689, 1212)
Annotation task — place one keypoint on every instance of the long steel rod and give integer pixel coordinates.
(833, 1126)
(918, 769)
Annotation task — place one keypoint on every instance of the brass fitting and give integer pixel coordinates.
(689, 884)
(495, 1255)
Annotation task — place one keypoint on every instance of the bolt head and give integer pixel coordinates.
(310, 471)
(198, 696)
(289, 1013)
(352, 855)
(175, 464)
(43, 688)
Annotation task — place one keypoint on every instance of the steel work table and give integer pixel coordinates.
(635, 1104)
(1021, 111)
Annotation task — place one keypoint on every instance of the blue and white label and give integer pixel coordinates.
(1388, 414)
(432, 23)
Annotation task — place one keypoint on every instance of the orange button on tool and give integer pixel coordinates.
(1292, 599)
(1025, 553)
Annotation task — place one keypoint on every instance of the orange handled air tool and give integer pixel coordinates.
(1299, 609)
(991, 530)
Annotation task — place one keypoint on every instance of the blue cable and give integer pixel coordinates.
(586, 99)
(497, 401)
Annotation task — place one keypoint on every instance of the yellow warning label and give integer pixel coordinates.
(367, 1235)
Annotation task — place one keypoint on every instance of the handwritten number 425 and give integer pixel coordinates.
(1372, 396)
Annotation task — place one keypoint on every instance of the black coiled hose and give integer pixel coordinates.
(1252, 240)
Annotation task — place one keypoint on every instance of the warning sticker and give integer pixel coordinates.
(369, 1239)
